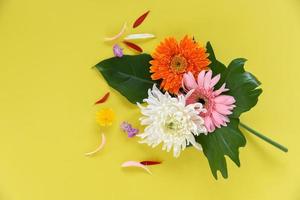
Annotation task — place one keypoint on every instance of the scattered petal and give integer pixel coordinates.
(118, 51)
(133, 46)
(140, 20)
(126, 127)
(135, 164)
(103, 99)
(139, 36)
(132, 132)
(150, 162)
(99, 147)
(118, 35)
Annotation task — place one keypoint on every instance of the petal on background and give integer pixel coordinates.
(133, 46)
(103, 142)
(135, 164)
(150, 162)
(117, 35)
(103, 99)
(139, 36)
(140, 20)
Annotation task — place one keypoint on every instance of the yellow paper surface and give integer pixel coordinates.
(47, 91)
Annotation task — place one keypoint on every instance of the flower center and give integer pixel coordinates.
(202, 101)
(204, 97)
(174, 125)
(178, 64)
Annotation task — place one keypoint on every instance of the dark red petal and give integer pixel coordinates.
(133, 46)
(140, 20)
(103, 99)
(149, 162)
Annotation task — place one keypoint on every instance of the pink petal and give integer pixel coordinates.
(217, 119)
(201, 78)
(215, 80)
(135, 164)
(209, 124)
(117, 35)
(224, 99)
(220, 90)
(189, 81)
(220, 119)
(183, 86)
(231, 106)
(225, 120)
(223, 109)
(189, 93)
(207, 79)
(99, 147)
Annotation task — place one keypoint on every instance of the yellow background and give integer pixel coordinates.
(47, 91)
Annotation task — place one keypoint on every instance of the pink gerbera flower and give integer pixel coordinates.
(218, 106)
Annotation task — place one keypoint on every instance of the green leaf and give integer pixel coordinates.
(242, 86)
(223, 141)
(129, 75)
(216, 66)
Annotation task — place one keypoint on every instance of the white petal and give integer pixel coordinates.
(139, 36)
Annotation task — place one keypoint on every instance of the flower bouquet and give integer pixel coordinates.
(187, 97)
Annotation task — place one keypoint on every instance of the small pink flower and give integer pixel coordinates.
(218, 106)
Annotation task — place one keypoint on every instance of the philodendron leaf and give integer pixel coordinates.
(216, 66)
(223, 141)
(129, 75)
(243, 86)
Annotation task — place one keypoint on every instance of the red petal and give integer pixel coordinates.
(149, 162)
(140, 19)
(133, 46)
(103, 99)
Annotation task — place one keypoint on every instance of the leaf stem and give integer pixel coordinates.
(266, 139)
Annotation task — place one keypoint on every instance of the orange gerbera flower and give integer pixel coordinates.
(172, 59)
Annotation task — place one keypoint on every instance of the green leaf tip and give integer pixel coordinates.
(224, 141)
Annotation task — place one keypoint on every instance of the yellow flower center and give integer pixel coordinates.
(105, 117)
(178, 64)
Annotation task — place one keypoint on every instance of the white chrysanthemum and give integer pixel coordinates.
(169, 120)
